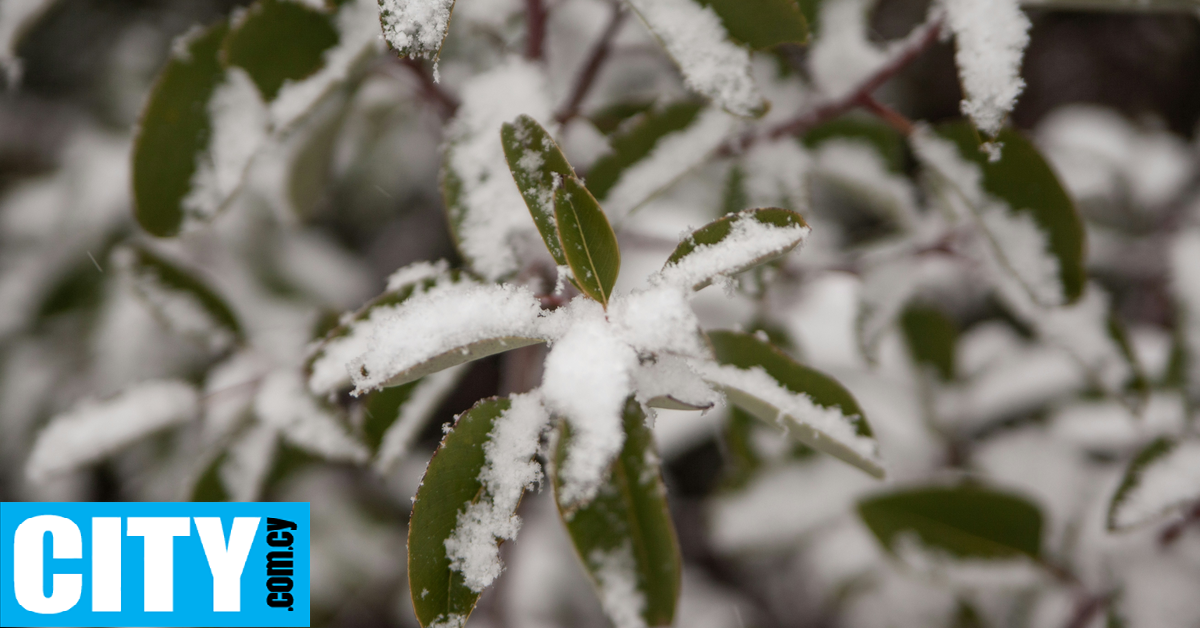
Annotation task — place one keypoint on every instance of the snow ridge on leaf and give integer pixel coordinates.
(734, 243)
(1164, 477)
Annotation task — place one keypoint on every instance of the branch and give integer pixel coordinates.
(535, 40)
(445, 102)
(591, 69)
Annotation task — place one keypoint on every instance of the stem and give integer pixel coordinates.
(535, 40)
(591, 68)
(445, 102)
(887, 114)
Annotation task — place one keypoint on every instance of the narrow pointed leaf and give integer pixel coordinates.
(761, 24)
(734, 243)
(174, 130)
(277, 41)
(1163, 478)
(1025, 181)
(589, 243)
(813, 407)
(625, 535)
(966, 521)
(167, 287)
(636, 141)
(538, 167)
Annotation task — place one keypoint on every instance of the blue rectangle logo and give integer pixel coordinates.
(154, 564)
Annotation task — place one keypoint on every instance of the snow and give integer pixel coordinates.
(180, 311)
(616, 577)
(828, 428)
(1082, 329)
(673, 156)
(1021, 381)
(94, 429)
(857, 168)
(776, 174)
(658, 320)
(842, 57)
(749, 241)
(509, 470)
(991, 36)
(588, 376)
(239, 120)
(448, 317)
(492, 218)
(249, 460)
(414, 414)
(1022, 249)
(670, 376)
(1166, 483)
(284, 404)
(416, 273)
(416, 27)
(711, 64)
(229, 391)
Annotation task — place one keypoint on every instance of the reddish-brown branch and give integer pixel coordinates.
(861, 96)
(445, 102)
(591, 68)
(535, 20)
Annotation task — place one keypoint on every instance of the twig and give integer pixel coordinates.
(1171, 533)
(591, 69)
(887, 114)
(446, 103)
(1087, 608)
(535, 19)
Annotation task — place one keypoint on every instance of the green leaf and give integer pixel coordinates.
(451, 484)
(311, 163)
(626, 531)
(735, 197)
(887, 140)
(277, 41)
(209, 487)
(734, 243)
(1024, 180)
(761, 23)
(538, 167)
(636, 142)
(174, 129)
(1147, 492)
(589, 244)
(932, 338)
(611, 117)
(844, 433)
(966, 521)
(382, 408)
(147, 265)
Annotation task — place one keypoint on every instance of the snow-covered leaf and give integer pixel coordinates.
(712, 64)
(624, 536)
(185, 303)
(1023, 179)
(811, 406)
(588, 241)
(965, 521)
(932, 338)
(396, 416)
(1163, 478)
(990, 38)
(277, 41)
(761, 24)
(888, 142)
(284, 404)
(538, 167)
(653, 152)
(734, 243)
(467, 504)
(175, 129)
(415, 28)
(94, 429)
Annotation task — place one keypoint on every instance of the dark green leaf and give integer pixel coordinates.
(311, 164)
(382, 408)
(610, 118)
(628, 524)
(1162, 499)
(741, 255)
(174, 130)
(967, 521)
(761, 23)
(635, 143)
(173, 277)
(538, 167)
(735, 197)
(745, 352)
(1023, 180)
(451, 483)
(932, 338)
(209, 488)
(277, 41)
(589, 244)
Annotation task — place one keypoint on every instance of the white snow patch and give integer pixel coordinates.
(1168, 482)
(842, 57)
(416, 411)
(15, 17)
(616, 575)
(415, 27)
(749, 242)
(991, 36)
(711, 64)
(284, 404)
(94, 429)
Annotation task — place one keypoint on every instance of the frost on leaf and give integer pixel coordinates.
(487, 213)
(447, 324)
(711, 64)
(732, 244)
(415, 28)
(1164, 477)
(990, 36)
(616, 578)
(94, 429)
(284, 404)
(509, 470)
(587, 379)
